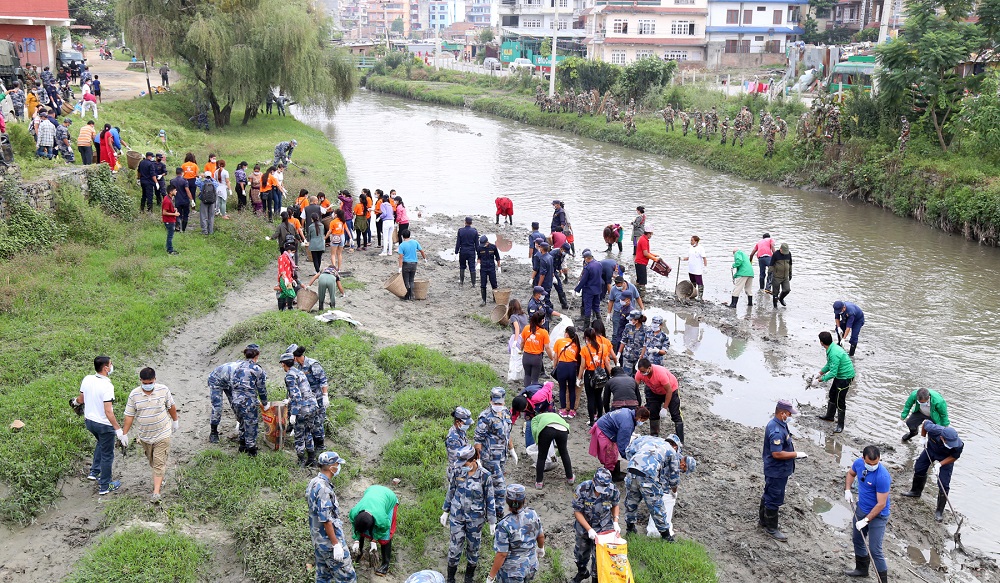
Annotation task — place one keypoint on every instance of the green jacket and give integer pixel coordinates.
(742, 265)
(939, 409)
(540, 422)
(838, 364)
(380, 502)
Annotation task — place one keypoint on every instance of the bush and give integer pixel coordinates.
(583, 75)
(21, 140)
(83, 223)
(140, 554)
(641, 76)
(394, 59)
(25, 229)
(110, 192)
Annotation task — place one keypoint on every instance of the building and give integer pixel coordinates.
(444, 13)
(382, 14)
(29, 25)
(858, 14)
(667, 29)
(758, 26)
(483, 13)
(537, 16)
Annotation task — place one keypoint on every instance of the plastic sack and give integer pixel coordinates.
(515, 368)
(550, 460)
(669, 500)
(612, 559)
(276, 423)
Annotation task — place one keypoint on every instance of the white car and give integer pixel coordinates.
(522, 63)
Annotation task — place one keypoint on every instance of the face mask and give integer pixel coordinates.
(600, 489)
(111, 370)
(925, 408)
(870, 467)
(640, 423)
(335, 474)
(464, 426)
(147, 387)
(498, 408)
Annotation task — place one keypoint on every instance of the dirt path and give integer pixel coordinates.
(119, 83)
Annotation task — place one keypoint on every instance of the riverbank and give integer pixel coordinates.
(955, 193)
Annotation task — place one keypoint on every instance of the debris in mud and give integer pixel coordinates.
(458, 128)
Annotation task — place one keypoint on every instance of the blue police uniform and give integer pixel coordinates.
(220, 382)
(493, 434)
(557, 256)
(517, 536)
(592, 285)
(546, 272)
(654, 466)
(533, 238)
(609, 270)
(249, 392)
(323, 508)
(453, 442)
(317, 380)
(937, 450)
(776, 472)
(489, 256)
(597, 509)
(633, 341)
(302, 404)
(853, 318)
(466, 246)
(544, 306)
(655, 342)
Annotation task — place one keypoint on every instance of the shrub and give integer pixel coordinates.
(583, 75)
(110, 192)
(83, 223)
(141, 554)
(25, 228)
(641, 76)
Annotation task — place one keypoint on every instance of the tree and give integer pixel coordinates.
(238, 50)
(641, 76)
(397, 26)
(983, 114)
(485, 36)
(546, 49)
(583, 74)
(97, 14)
(821, 8)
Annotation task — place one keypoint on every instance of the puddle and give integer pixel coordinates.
(919, 556)
(833, 514)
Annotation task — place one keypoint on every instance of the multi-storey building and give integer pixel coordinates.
(483, 13)
(754, 26)
(539, 15)
(622, 33)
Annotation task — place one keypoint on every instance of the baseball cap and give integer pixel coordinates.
(627, 294)
(950, 437)
(539, 289)
(587, 253)
(691, 464)
(149, 154)
(461, 413)
(838, 306)
(497, 394)
(634, 315)
(292, 348)
(657, 319)
(466, 453)
(566, 247)
(287, 357)
(483, 240)
(786, 405)
(328, 458)
(602, 480)
(253, 347)
(673, 438)
(544, 245)
(557, 202)
(468, 220)
(619, 279)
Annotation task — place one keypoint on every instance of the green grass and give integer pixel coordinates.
(140, 555)
(350, 283)
(684, 561)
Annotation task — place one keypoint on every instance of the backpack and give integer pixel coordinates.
(208, 195)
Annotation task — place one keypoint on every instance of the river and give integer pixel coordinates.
(929, 298)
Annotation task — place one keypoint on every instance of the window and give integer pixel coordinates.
(647, 26)
(762, 9)
(777, 17)
(747, 17)
(793, 14)
(620, 26)
(531, 22)
(683, 1)
(563, 3)
(675, 55)
(617, 57)
(737, 46)
(563, 24)
(758, 38)
(683, 27)
(643, 54)
(732, 16)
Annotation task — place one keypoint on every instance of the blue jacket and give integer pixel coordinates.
(618, 426)
(609, 268)
(468, 240)
(852, 317)
(591, 280)
(546, 270)
(534, 237)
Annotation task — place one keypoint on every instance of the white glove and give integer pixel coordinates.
(291, 419)
(499, 271)
(124, 439)
(119, 433)
(848, 496)
(592, 534)
(801, 455)
(513, 454)
(355, 547)
(338, 552)
(400, 270)
(861, 524)
(372, 547)
(903, 425)
(267, 406)
(491, 579)
(175, 426)
(607, 319)
(267, 238)
(923, 441)
(618, 529)
(493, 529)
(75, 402)
(578, 293)
(444, 519)
(541, 552)
(326, 398)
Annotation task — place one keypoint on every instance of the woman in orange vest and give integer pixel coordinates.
(567, 350)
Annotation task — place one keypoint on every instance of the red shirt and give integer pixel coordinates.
(642, 245)
(168, 207)
(558, 239)
(660, 380)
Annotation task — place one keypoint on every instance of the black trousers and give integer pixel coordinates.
(545, 438)
(317, 257)
(467, 260)
(838, 392)
(147, 196)
(595, 404)
(182, 220)
(378, 231)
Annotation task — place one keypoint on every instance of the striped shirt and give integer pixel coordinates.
(150, 412)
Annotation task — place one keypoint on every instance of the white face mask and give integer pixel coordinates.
(498, 408)
(148, 387)
(111, 370)
(640, 423)
(464, 426)
(870, 467)
(925, 408)
(337, 472)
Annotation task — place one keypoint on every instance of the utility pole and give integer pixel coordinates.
(552, 57)
(437, 47)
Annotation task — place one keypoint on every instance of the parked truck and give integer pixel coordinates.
(10, 64)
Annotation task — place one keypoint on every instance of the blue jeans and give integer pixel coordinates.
(529, 439)
(875, 531)
(48, 152)
(765, 277)
(104, 451)
(170, 236)
(277, 200)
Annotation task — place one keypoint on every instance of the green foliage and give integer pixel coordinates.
(642, 75)
(684, 561)
(97, 14)
(25, 229)
(584, 74)
(983, 114)
(394, 59)
(485, 36)
(865, 35)
(811, 32)
(141, 555)
(83, 222)
(546, 49)
(397, 25)
(109, 192)
(217, 483)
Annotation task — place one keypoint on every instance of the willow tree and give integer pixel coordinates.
(237, 50)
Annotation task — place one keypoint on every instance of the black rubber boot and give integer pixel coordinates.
(470, 573)
(750, 301)
(732, 304)
(630, 528)
(213, 437)
(386, 552)
(860, 567)
(252, 451)
(461, 277)
(302, 460)
(761, 519)
(582, 573)
(665, 535)
(782, 297)
(318, 442)
(772, 525)
(654, 427)
(243, 446)
(484, 296)
(883, 576)
(853, 348)
(311, 459)
(679, 430)
(451, 573)
(616, 474)
(942, 501)
(908, 435)
(919, 480)
(831, 406)
(840, 421)
(774, 301)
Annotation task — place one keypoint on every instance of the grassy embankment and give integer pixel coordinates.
(81, 282)
(956, 192)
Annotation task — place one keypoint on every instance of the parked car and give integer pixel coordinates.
(522, 63)
(491, 64)
(66, 58)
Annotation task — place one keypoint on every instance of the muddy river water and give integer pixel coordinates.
(930, 299)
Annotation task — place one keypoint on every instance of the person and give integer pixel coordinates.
(596, 360)
(840, 369)
(742, 278)
(567, 367)
(160, 172)
(456, 439)
(317, 240)
(545, 271)
(697, 259)
(642, 258)
(620, 304)
(362, 212)
(408, 250)
(333, 561)
(278, 192)
(466, 246)
(533, 400)
(633, 341)
(347, 206)
(46, 138)
(385, 219)
(97, 395)
(268, 183)
(661, 391)
(779, 457)
(516, 559)
(169, 214)
(871, 514)
(222, 187)
(151, 406)
(402, 219)
(374, 518)
(183, 199)
(534, 341)
(318, 384)
(96, 85)
(924, 404)
(534, 237)
(249, 394)
(89, 101)
(190, 168)
(220, 382)
(590, 286)
(147, 182)
(283, 152)
(18, 100)
(546, 429)
(493, 443)
(763, 250)
(302, 409)
(613, 234)
(212, 164)
(85, 142)
(944, 447)
(336, 236)
(468, 504)
(518, 318)
(539, 302)
(505, 208)
(559, 220)
(638, 226)
(242, 184)
(329, 279)
(848, 319)
(286, 234)
(63, 145)
(208, 197)
(780, 275)
(611, 435)
(165, 75)
(657, 341)
(623, 392)
(596, 509)
(653, 471)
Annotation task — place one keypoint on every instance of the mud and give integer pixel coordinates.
(458, 128)
(717, 505)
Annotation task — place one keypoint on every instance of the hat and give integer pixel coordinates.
(657, 319)
(587, 253)
(483, 240)
(567, 247)
(67, 120)
(786, 405)
(950, 437)
(544, 244)
(328, 458)
(838, 306)
(691, 464)
(647, 229)
(627, 294)
(253, 347)
(672, 438)
(287, 357)
(466, 453)
(515, 492)
(557, 202)
(209, 174)
(634, 315)
(468, 220)
(294, 143)
(602, 479)
(619, 279)
(538, 289)
(497, 394)
(426, 576)
(159, 154)
(784, 248)
(148, 154)
(292, 348)
(462, 414)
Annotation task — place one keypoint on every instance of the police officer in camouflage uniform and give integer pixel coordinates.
(699, 123)
(469, 503)
(654, 465)
(769, 133)
(657, 342)
(320, 388)
(249, 394)
(301, 408)
(685, 122)
(782, 126)
(220, 382)
(595, 506)
(457, 438)
(833, 123)
(668, 118)
(63, 142)
(492, 439)
(283, 152)
(725, 130)
(519, 541)
(333, 561)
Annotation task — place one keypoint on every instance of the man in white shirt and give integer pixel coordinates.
(697, 260)
(97, 395)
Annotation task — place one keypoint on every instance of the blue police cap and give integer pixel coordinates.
(328, 458)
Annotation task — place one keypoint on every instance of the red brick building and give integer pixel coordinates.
(29, 25)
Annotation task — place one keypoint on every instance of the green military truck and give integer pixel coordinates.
(10, 64)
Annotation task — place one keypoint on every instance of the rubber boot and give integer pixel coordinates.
(582, 573)
(679, 430)
(630, 528)
(860, 567)
(883, 576)
(243, 446)
(302, 460)
(840, 421)
(252, 451)
(701, 292)
(750, 300)
(732, 304)
(484, 296)
(772, 525)
(665, 535)
(318, 443)
(213, 437)
(908, 435)
(761, 520)
(830, 408)
(386, 552)
(853, 348)
(782, 297)
(461, 277)
(654, 427)
(311, 459)
(919, 480)
(616, 474)
(451, 573)
(942, 501)
(470, 573)
(774, 301)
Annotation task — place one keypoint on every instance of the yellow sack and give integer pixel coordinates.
(612, 560)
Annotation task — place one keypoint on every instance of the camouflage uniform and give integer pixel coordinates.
(782, 127)
(470, 502)
(302, 404)
(517, 536)
(714, 120)
(317, 382)
(725, 130)
(668, 118)
(582, 104)
(685, 122)
(595, 101)
(904, 135)
(654, 466)
(249, 385)
(634, 339)
(597, 509)
(220, 382)
(63, 143)
(711, 123)
(769, 134)
(833, 123)
(803, 129)
(629, 122)
(323, 507)
(699, 123)
(283, 153)
(539, 96)
(455, 440)
(765, 124)
(17, 101)
(610, 110)
(493, 435)
(656, 340)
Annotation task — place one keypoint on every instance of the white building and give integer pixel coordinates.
(538, 15)
(483, 13)
(667, 29)
(756, 26)
(444, 13)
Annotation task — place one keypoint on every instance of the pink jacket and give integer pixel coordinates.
(542, 395)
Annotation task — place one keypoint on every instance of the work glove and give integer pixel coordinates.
(499, 271)
(119, 433)
(373, 547)
(76, 405)
(291, 419)
(493, 529)
(355, 548)
(618, 529)
(400, 270)
(268, 238)
(444, 519)
(122, 437)
(238, 427)
(578, 293)
(902, 425)
(848, 496)
(592, 534)
(326, 398)
(175, 426)
(513, 454)
(861, 524)
(491, 579)
(338, 552)
(801, 455)
(541, 552)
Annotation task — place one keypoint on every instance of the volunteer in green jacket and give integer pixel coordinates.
(841, 370)
(549, 428)
(742, 278)
(929, 405)
(374, 517)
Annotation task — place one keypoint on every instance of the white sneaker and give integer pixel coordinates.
(382, 254)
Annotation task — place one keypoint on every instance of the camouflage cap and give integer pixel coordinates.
(691, 463)
(253, 347)
(466, 453)
(672, 438)
(497, 394)
(328, 458)
(462, 414)
(287, 358)
(515, 492)
(602, 479)
(292, 348)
